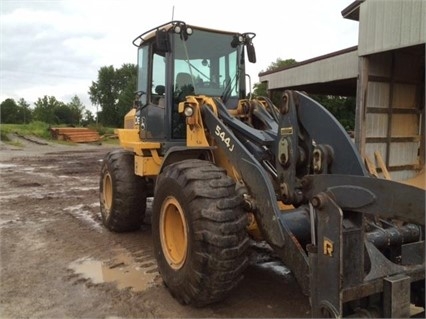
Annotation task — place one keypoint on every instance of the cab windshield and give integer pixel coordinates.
(207, 64)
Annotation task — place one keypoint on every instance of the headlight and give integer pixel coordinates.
(188, 111)
(188, 30)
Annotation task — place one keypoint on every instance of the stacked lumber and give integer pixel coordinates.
(372, 167)
(75, 134)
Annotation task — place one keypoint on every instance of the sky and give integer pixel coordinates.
(56, 47)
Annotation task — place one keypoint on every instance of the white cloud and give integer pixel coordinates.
(57, 47)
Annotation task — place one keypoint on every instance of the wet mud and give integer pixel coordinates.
(57, 260)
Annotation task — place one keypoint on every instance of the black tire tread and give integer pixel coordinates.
(129, 194)
(219, 228)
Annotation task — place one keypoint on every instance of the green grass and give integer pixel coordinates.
(38, 129)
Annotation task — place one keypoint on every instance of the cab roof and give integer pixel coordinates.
(147, 35)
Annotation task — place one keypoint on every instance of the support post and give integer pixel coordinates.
(361, 105)
(396, 296)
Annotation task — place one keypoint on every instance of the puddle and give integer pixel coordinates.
(123, 270)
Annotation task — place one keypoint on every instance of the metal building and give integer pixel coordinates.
(386, 73)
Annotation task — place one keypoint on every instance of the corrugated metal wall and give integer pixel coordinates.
(344, 66)
(389, 24)
(393, 110)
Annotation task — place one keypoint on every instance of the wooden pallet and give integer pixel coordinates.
(75, 134)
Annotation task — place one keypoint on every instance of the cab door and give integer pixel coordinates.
(152, 85)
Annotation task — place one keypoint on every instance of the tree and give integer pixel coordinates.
(260, 89)
(16, 113)
(114, 93)
(127, 76)
(24, 111)
(45, 110)
(343, 108)
(280, 64)
(88, 118)
(8, 111)
(76, 109)
(103, 93)
(63, 114)
(49, 110)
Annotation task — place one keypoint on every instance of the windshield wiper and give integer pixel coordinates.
(228, 89)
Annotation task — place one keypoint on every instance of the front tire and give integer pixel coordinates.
(122, 194)
(199, 232)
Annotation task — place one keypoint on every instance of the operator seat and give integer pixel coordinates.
(161, 101)
(183, 79)
(183, 88)
(183, 85)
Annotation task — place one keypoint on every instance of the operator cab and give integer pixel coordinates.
(176, 60)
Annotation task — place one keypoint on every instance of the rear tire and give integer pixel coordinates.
(199, 232)
(122, 194)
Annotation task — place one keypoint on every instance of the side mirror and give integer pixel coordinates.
(251, 52)
(162, 41)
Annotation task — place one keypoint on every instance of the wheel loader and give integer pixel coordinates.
(225, 169)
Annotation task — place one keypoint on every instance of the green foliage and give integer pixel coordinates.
(44, 110)
(8, 111)
(128, 81)
(24, 111)
(114, 93)
(12, 112)
(103, 93)
(102, 130)
(88, 118)
(63, 115)
(343, 108)
(280, 63)
(76, 110)
(48, 109)
(260, 89)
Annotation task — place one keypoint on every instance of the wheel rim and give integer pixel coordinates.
(107, 192)
(173, 233)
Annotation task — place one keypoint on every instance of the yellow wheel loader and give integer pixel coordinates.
(224, 168)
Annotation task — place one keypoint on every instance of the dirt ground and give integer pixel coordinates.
(57, 260)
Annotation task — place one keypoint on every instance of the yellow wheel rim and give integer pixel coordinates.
(173, 233)
(107, 191)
